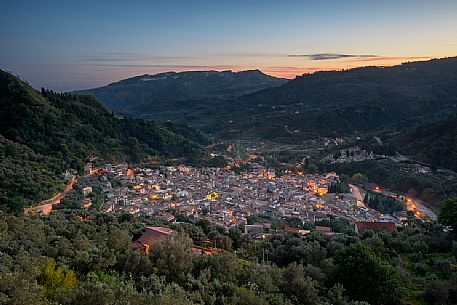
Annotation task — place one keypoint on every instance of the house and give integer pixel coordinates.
(323, 229)
(87, 190)
(206, 251)
(88, 168)
(253, 230)
(292, 230)
(166, 217)
(86, 203)
(151, 237)
(375, 226)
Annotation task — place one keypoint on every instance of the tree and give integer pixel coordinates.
(367, 277)
(53, 278)
(448, 213)
(298, 287)
(244, 296)
(366, 199)
(359, 178)
(173, 257)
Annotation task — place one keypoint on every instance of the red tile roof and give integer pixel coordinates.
(375, 226)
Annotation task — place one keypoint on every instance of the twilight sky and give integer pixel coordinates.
(67, 45)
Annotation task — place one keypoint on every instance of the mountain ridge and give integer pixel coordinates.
(124, 95)
(324, 103)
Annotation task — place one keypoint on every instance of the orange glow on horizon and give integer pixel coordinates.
(283, 67)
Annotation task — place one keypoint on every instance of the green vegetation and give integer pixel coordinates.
(383, 204)
(431, 187)
(434, 143)
(327, 103)
(42, 135)
(360, 269)
(448, 213)
(338, 187)
(66, 259)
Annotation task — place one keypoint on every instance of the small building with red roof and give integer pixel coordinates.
(375, 226)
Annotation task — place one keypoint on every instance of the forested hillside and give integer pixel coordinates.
(43, 134)
(61, 259)
(344, 102)
(434, 143)
(326, 103)
(153, 92)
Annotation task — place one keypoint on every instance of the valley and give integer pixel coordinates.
(255, 152)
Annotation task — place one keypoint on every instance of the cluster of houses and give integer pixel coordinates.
(221, 196)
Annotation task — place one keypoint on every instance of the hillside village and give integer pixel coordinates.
(227, 198)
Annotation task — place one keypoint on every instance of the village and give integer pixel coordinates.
(227, 198)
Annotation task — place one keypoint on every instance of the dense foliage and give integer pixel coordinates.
(431, 187)
(448, 213)
(73, 258)
(434, 143)
(42, 135)
(383, 204)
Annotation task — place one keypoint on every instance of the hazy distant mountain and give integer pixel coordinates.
(42, 135)
(154, 90)
(320, 104)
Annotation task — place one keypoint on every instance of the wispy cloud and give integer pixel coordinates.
(292, 71)
(330, 56)
(389, 58)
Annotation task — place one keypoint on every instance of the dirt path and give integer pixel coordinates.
(45, 206)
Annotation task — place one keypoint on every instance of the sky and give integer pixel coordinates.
(68, 45)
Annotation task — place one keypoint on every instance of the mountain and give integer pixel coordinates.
(156, 90)
(44, 134)
(327, 103)
(344, 102)
(434, 143)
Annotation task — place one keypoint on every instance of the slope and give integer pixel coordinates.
(328, 103)
(159, 89)
(44, 134)
(434, 143)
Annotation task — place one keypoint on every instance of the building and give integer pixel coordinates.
(86, 203)
(375, 226)
(205, 251)
(87, 168)
(166, 217)
(253, 230)
(151, 237)
(87, 190)
(323, 229)
(292, 230)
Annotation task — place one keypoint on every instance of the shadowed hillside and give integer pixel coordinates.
(44, 134)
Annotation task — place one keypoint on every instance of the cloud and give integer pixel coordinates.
(330, 56)
(389, 58)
